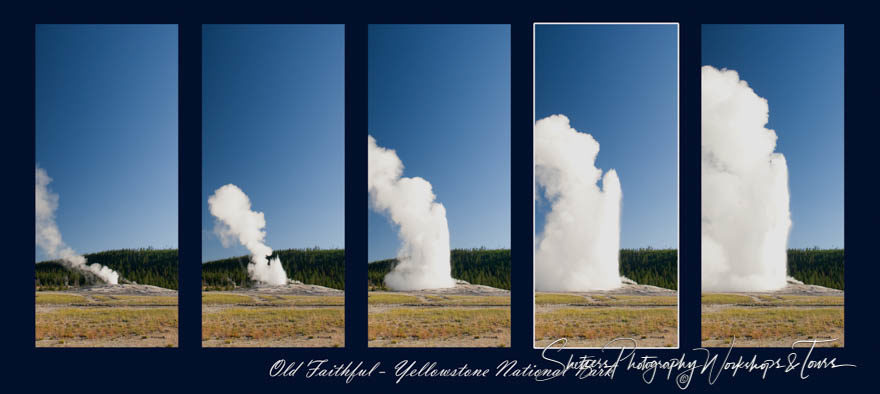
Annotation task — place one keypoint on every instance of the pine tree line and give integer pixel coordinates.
(489, 267)
(822, 267)
(492, 267)
(157, 267)
(323, 267)
(647, 266)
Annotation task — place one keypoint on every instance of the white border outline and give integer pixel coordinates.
(677, 183)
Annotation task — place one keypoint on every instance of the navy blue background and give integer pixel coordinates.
(191, 368)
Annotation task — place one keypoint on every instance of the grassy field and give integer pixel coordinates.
(767, 320)
(428, 320)
(81, 320)
(272, 320)
(592, 320)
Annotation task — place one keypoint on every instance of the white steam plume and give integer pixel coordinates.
(745, 214)
(48, 237)
(579, 247)
(423, 259)
(235, 221)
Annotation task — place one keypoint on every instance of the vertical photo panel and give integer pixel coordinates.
(606, 185)
(772, 185)
(273, 257)
(438, 149)
(106, 186)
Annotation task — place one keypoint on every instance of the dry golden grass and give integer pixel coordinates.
(303, 300)
(437, 300)
(629, 300)
(375, 298)
(105, 323)
(461, 300)
(605, 323)
(225, 298)
(719, 298)
(100, 299)
(604, 300)
(64, 319)
(271, 323)
(771, 323)
(770, 300)
(593, 320)
(553, 298)
(801, 300)
(272, 320)
(60, 299)
(134, 300)
(438, 323)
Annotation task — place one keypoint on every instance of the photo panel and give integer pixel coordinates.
(772, 185)
(273, 196)
(606, 185)
(106, 272)
(438, 150)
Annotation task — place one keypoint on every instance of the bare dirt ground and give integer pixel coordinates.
(124, 289)
(293, 288)
(773, 318)
(294, 315)
(466, 315)
(494, 340)
(632, 289)
(124, 315)
(648, 314)
(335, 339)
(154, 341)
(806, 290)
(463, 288)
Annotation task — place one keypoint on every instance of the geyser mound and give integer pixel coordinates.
(424, 256)
(236, 221)
(745, 197)
(579, 247)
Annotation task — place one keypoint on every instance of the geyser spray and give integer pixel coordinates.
(236, 221)
(423, 259)
(48, 236)
(579, 247)
(745, 198)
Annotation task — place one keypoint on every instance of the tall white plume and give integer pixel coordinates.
(745, 198)
(424, 257)
(579, 247)
(48, 236)
(236, 221)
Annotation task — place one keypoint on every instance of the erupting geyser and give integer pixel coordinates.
(745, 219)
(423, 259)
(49, 237)
(235, 220)
(579, 247)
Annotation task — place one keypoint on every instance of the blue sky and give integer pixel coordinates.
(619, 83)
(274, 125)
(106, 132)
(799, 70)
(440, 96)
